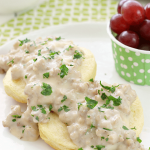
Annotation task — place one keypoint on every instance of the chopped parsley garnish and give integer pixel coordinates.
(45, 42)
(64, 98)
(110, 89)
(69, 47)
(77, 55)
(47, 89)
(90, 102)
(102, 138)
(43, 110)
(99, 92)
(105, 117)
(58, 38)
(23, 126)
(40, 106)
(23, 130)
(50, 107)
(99, 147)
(39, 52)
(79, 105)
(125, 128)
(91, 80)
(50, 39)
(139, 140)
(52, 54)
(44, 57)
(34, 43)
(127, 138)
(107, 139)
(134, 128)
(64, 70)
(88, 116)
(13, 120)
(104, 96)
(37, 118)
(65, 108)
(46, 75)
(92, 146)
(33, 108)
(109, 107)
(107, 129)
(16, 116)
(90, 128)
(80, 148)
(32, 115)
(25, 77)
(24, 41)
(12, 61)
(116, 101)
(26, 51)
(71, 65)
(99, 108)
(35, 59)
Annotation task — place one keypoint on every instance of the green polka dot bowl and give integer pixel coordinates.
(132, 64)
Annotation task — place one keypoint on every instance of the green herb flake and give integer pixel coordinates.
(46, 75)
(91, 80)
(43, 111)
(32, 115)
(99, 108)
(107, 139)
(26, 51)
(90, 102)
(39, 52)
(125, 128)
(53, 53)
(58, 38)
(25, 77)
(102, 138)
(139, 140)
(90, 128)
(64, 98)
(103, 96)
(16, 116)
(23, 130)
(88, 116)
(77, 55)
(64, 71)
(13, 120)
(127, 138)
(65, 108)
(80, 148)
(92, 146)
(107, 129)
(23, 126)
(105, 117)
(37, 118)
(40, 106)
(45, 42)
(24, 41)
(47, 89)
(69, 47)
(71, 65)
(110, 89)
(35, 59)
(79, 105)
(50, 39)
(116, 101)
(33, 108)
(99, 147)
(44, 57)
(99, 92)
(34, 43)
(134, 128)
(50, 107)
(12, 61)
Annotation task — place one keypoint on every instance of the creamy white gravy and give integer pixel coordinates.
(49, 68)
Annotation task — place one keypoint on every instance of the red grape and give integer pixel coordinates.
(147, 11)
(144, 45)
(133, 12)
(120, 5)
(118, 24)
(129, 38)
(145, 29)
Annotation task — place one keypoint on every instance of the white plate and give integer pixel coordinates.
(93, 36)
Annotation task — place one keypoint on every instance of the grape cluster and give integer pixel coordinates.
(132, 24)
